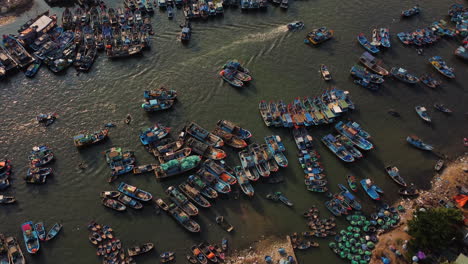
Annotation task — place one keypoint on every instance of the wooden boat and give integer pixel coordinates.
(40, 156)
(167, 256)
(283, 199)
(366, 77)
(194, 195)
(394, 173)
(181, 201)
(15, 255)
(442, 108)
(243, 181)
(411, 191)
(331, 206)
(422, 112)
(370, 189)
(320, 189)
(110, 194)
(33, 179)
(296, 25)
(38, 171)
(418, 143)
(353, 134)
(199, 255)
(180, 216)
(203, 135)
(144, 168)
(430, 81)
(210, 255)
(325, 73)
(330, 141)
(161, 93)
(153, 134)
(31, 238)
(113, 204)
(161, 204)
(33, 68)
(439, 165)
(365, 43)
(128, 201)
(138, 250)
(385, 37)
(202, 187)
(17, 51)
(205, 150)
(234, 129)
(41, 232)
(410, 12)
(375, 38)
(178, 155)
(220, 220)
(403, 75)
(440, 65)
(157, 105)
(276, 147)
(229, 76)
(53, 232)
(372, 64)
(265, 113)
(167, 148)
(192, 259)
(349, 146)
(352, 182)
(83, 140)
(319, 35)
(134, 192)
(230, 139)
(7, 199)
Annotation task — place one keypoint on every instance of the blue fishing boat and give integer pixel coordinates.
(265, 112)
(203, 135)
(430, 81)
(418, 143)
(332, 207)
(361, 73)
(442, 67)
(296, 25)
(302, 138)
(385, 37)
(243, 181)
(186, 33)
(160, 94)
(365, 43)
(38, 171)
(40, 156)
(319, 35)
(462, 52)
(153, 134)
(309, 164)
(339, 150)
(349, 146)
(422, 112)
(202, 187)
(40, 229)
(277, 148)
(234, 129)
(134, 192)
(403, 75)
(157, 105)
(33, 69)
(353, 135)
(228, 75)
(211, 179)
(349, 198)
(410, 12)
(358, 128)
(394, 173)
(370, 189)
(53, 232)
(31, 238)
(319, 189)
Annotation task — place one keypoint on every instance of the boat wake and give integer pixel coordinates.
(262, 36)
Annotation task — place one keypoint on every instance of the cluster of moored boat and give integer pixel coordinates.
(235, 74)
(205, 252)
(39, 157)
(302, 242)
(458, 14)
(158, 99)
(119, 161)
(126, 196)
(307, 111)
(84, 32)
(380, 38)
(320, 227)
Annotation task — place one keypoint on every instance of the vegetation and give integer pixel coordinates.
(435, 229)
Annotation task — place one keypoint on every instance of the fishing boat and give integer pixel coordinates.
(198, 255)
(375, 38)
(186, 33)
(462, 52)
(339, 150)
(349, 198)
(283, 199)
(440, 65)
(352, 182)
(41, 232)
(40, 156)
(34, 178)
(371, 63)
(203, 135)
(303, 140)
(138, 250)
(157, 105)
(220, 220)
(33, 69)
(161, 93)
(181, 201)
(358, 128)
(361, 73)
(230, 139)
(7, 200)
(15, 255)
(365, 43)
(296, 25)
(349, 146)
(430, 81)
(319, 35)
(202, 187)
(418, 143)
(276, 147)
(110, 194)
(243, 181)
(370, 189)
(210, 255)
(205, 150)
(170, 12)
(134, 192)
(219, 171)
(31, 238)
(17, 52)
(353, 134)
(265, 113)
(128, 201)
(284, 4)
(385, 37)
(403, 75)
(410, 12)
(234, 129)
(325, 73)
(229, 76)
(180, 216)
(83, 140)
(194, 195)
(442, 108)
(53, 232)
(113, 204)
(260, 161)
(153, 134)
(332, 207)
(319, 189)
(410, 191)
(394, 173)
(422, 112)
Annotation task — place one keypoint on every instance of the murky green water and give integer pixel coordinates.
(283, 68)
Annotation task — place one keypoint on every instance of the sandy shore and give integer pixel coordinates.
(257, 252)
(443, 187)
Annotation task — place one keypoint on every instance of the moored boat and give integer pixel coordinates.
(130, 202)
(410, 12)
(153, 105)
(403, 75)
(205, 150)
(319, 35)
(181, 201)
(394, 173)
(370, 189)
(134, 192)
(180, 216)
(234, 129)
(243, 181)
(325, 73)
(422, 112)
(31, 238)
(230, 139)
(15, 254)
(202, 187)
(41, 232)
(83, 140)
(113, 204)
(418, 143)
(138, 250)
(440, 65)
(53, 232)
(372, 64)
(153, 134)
(203, 135)
(194, 195)
(110, 194)
(220, 220)
(296, 25)
(442, 108)
(161, 93)
(365, 43)
(352, 182)
(430, 81)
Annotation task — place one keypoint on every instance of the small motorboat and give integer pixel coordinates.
(7, 199)
(365, 43)
(418, 143)
(430, 81)
(371, 189)
(325, 73)
(410, 12)
(110, 194)
(296, 25)
(138, 250)
(422, 112)
(442, 108)
(41, 232)
(394, 173)
(352, 182)
(440, 65)
(220, 220)
(403, 75)
(53, 232)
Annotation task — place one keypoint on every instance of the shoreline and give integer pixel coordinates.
(443, 187)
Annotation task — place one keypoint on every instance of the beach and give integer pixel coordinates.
(443, 187)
